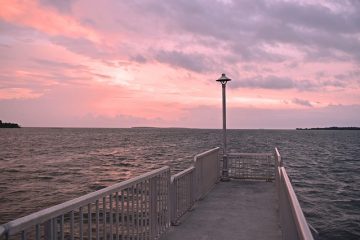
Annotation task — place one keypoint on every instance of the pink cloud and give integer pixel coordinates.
(155, 63)
(34, 15)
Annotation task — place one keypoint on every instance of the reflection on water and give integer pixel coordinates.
(41, 167)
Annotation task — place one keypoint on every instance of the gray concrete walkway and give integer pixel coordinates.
(232, 210)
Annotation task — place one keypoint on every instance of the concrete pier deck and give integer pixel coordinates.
(232, 210)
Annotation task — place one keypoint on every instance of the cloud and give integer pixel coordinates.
(57, 64)
(245, 26)
(61, 5)
(82, 46)
(139, 59)
(34, 15)
(268, 82)
(191, 61)
(300, 48)
(274, 82)
(301, 102)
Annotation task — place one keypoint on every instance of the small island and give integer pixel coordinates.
(9, 125)
(330, 128)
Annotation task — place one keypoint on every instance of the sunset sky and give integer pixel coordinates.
(113, 63)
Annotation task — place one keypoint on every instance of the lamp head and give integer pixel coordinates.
(223, 79)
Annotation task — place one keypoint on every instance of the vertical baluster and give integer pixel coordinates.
(62, 227)
(155, 205)
(23, 235)
(128, 213)
(176, 196)
(89, 222)
(81, 220)
(179, 184)
(161, 205)
(104, 218)
(37, 231)
(48, 230)
(72, 225)
(137, 211)
(117, 214)
(162, 202)
(54, 228)
(168, 197)
(184, 194)
(151, 212)
(142, 225)
(111, 216)
(148, 209)
(97, 220)
(133, 212)
(165, 200)
(189, 190)
(122, 215)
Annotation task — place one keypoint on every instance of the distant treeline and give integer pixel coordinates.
(331, 128)
(8, 125)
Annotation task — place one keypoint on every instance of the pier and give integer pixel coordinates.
(257, 203)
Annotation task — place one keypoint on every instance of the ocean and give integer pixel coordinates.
(41, 167)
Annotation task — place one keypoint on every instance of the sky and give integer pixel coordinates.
(113, 63)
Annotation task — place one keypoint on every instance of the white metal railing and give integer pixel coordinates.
(251, 166)
(182, 193)
(134, 209)
(207, 166)
(139, 208)
(292, 219)
(194, 183)
(143, 207)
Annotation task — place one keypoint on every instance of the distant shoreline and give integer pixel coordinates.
(9, 125)
(330, 128)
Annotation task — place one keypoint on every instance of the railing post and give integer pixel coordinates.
(153, 207)
(48, 229)
(192, 186)
(172, 201)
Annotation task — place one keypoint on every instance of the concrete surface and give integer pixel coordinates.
(232, 210)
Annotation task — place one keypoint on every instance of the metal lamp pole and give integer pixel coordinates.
(225, 171)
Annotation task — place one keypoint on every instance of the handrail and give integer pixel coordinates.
(200, 155)
(207, 166)
(182, 173)
(278, 158)
(298, 215)
(41, 216)
(182, 193)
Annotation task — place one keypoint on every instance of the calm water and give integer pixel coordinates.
(40, 167)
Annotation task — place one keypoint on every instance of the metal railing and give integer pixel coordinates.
(194, 183)
(292, 219)
(182, 193)
(207, 166)
(143, 207)
(258, 166)
(139, 208)
(134, 209)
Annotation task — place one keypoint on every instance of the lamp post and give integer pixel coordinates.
(225, 171)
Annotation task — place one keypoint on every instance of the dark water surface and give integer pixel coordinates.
(40, 167)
